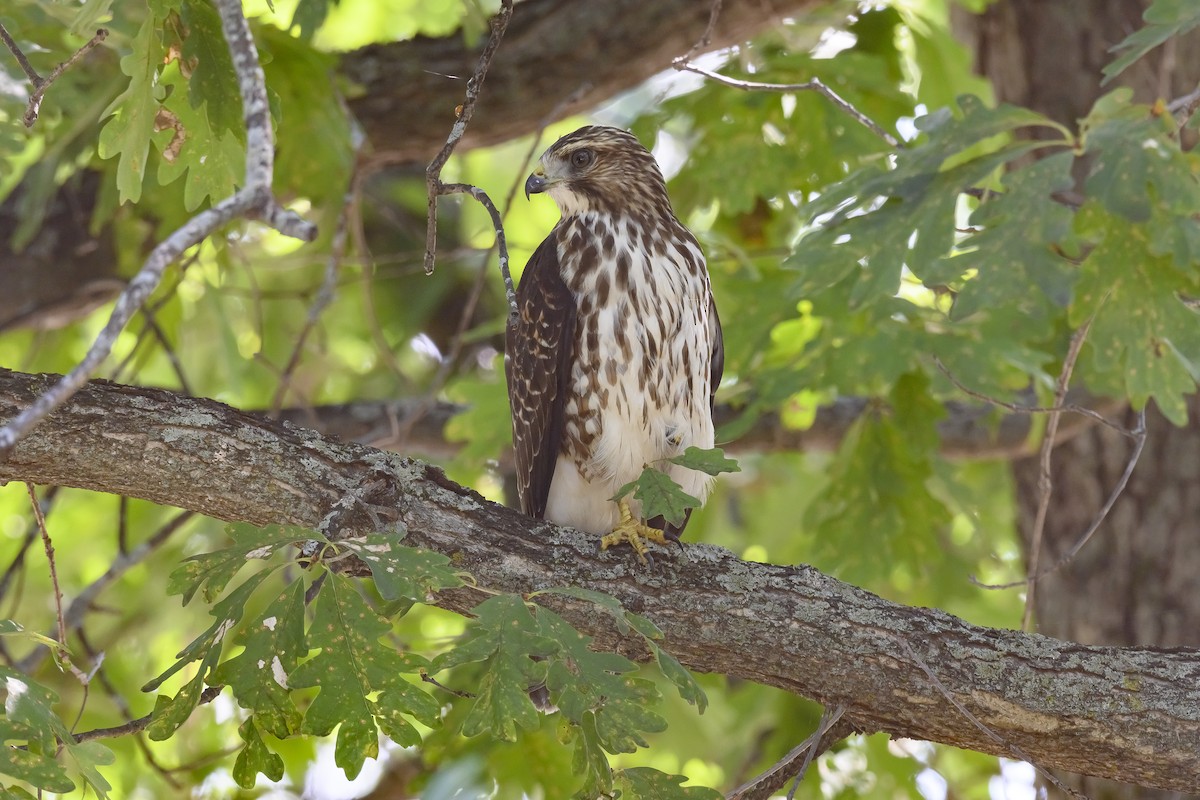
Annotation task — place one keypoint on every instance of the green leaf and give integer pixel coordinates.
(127, 134)
(644, 783)
(1142, 332)
(255, 758)
(85, 758)
(308, 16)
(590, 761)
(401, 571)
(679, 675)
(29, 719)
(1164, 19)
(878, 488)
(10, 627)
(660, 496)
(33, 733)
(314, 156)
(213, 82)
(213, 160)
(506, 638)
(710, 462)
(1007, 267)
(228, 613)
(688, 688)
(1134, 151)
(582, 681)
(214, 570)
(260, 674)
(351, 668)
(878, 221)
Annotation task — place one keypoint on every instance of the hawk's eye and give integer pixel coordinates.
(582, 158)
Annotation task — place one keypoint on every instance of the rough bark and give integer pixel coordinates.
(1137, 581)
(1128, 714)
(586, 51)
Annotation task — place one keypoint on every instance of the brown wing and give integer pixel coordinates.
(537, 364)
(716, 364)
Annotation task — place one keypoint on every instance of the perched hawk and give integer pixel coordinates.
(616, 352)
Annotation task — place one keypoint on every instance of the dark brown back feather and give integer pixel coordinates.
(537, 364)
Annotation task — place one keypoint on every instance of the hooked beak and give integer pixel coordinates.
(536, 183)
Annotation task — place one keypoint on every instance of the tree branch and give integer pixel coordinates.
(253, 201)
(1123, 713)
(968, 431)
(551, 48)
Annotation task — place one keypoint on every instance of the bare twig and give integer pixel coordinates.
(1045, 485)
(97, 656)
(814, 85)
(714, 12)
(828, 719)
(427, 678)
(1182, 108)
(404, 429)
(1073, 408)
(58, 609)
(72, 619)
(253, 201)
(830, 730)
(501, 242)
(26, 67)
(984, 729)
(40, 84)
(139, 724)
(35, 99)
(1139, 437)
(433, 173)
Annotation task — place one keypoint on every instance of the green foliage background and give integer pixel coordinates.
(842, 268)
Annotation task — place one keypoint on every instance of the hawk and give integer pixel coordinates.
(616, 351)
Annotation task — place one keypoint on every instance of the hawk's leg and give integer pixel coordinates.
(633, 531)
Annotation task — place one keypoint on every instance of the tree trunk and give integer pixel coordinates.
(1137, 581)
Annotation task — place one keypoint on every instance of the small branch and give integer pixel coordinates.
(26, 67)
(1016, 408)
(1182, 108)
(433, 173)
(253, 201)
(991, 734)
(139, 724)
(1139, 437)
(72, 619)
(830, 729)
(1045, 485)
(501, 242)
(714, 12)
(828, 719)
(814, 85)
(35, 100)
(63, 653)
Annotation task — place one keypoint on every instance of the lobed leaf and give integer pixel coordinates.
(401, 571)
(353, 667)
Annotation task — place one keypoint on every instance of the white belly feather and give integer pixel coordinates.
(649, 399)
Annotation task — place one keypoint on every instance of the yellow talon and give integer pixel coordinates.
(633, 531)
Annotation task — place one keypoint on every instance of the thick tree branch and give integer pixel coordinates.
(552, 50)
(968, 431)
(1124, 713)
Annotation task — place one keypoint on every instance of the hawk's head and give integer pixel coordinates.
(600, 169)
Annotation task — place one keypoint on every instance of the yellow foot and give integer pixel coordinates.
(633, 531)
